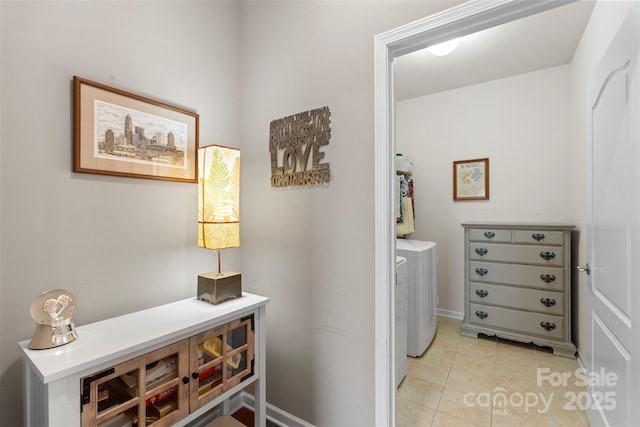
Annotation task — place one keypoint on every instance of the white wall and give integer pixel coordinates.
(521, 124)
(606, 18)
(119, 244)
(312, 249)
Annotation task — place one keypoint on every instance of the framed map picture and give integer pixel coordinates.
(471, 179)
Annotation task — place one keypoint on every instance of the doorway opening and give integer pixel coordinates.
(465, 19)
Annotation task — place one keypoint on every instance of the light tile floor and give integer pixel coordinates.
(488, 382)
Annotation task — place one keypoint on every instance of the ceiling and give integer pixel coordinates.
(533, 43)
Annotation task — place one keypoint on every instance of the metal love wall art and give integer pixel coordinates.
(296, 145)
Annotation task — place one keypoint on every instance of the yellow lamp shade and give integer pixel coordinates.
(218, 197)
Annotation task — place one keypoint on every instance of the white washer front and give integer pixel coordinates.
(401, 319)
(422, 292)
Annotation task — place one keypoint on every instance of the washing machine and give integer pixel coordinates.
(400, 317)
(422, 292)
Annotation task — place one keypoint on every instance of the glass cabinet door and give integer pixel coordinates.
(166, 385)
(239, 352)
(106, 395)
(221, 358)
(149, 390)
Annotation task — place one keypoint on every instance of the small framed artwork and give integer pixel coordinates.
(471, 179)
(123, 134)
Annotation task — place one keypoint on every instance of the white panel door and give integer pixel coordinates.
(613, 233)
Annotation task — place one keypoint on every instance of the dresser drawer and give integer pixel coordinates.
(543, 325)
(551, 278)
(520, 298)
(488, 235)
(543, 255)
(539, 237)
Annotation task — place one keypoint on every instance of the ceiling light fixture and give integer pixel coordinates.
(445, 48)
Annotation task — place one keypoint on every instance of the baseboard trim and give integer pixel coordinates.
(449, 313)
(581, 361)
(275, 415)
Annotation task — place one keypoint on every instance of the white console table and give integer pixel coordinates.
(53, 394)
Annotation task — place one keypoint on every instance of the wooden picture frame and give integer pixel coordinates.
(471, 179)
(123, 134)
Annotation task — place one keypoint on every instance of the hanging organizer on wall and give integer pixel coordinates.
(405, 215)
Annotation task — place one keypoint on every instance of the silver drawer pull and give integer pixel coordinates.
(537, 236)
(547, 302)
(547, 326)
(489, 234)
(481, 271)
(547, 255)
(547, 278)
(483, 315)
(482, 251)
(481, 293)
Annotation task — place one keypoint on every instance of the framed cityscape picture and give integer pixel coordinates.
(123, 134)
(471, 179)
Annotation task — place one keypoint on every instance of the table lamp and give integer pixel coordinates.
(219, 218)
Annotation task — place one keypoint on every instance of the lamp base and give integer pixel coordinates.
(217, 287)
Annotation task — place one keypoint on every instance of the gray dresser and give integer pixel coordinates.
(518, 283)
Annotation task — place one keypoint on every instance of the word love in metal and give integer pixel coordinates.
(295, 144)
